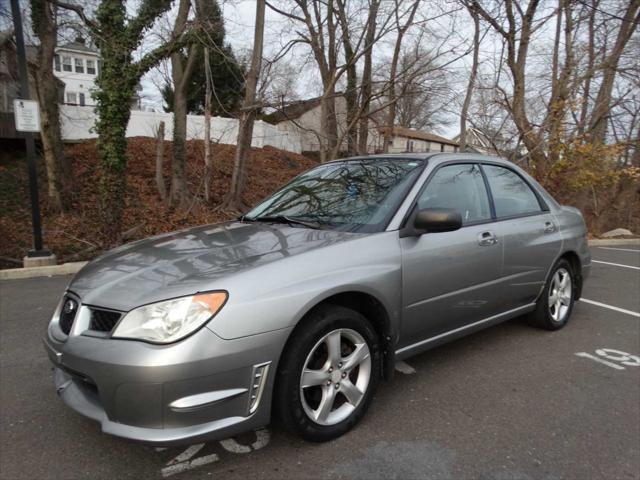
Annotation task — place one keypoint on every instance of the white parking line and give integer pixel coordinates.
(615, 264)
(637, 250)
(611, 307)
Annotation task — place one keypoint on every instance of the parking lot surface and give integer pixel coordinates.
(510, 402)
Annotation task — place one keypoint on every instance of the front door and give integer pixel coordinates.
(450, 279)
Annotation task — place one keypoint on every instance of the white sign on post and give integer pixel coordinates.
(27, 115)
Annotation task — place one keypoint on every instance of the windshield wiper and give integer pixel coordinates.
(284, 219)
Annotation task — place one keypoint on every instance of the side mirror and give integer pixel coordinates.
(437, 220)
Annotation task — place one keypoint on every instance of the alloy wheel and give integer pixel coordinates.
(560, 292)
(335, 376)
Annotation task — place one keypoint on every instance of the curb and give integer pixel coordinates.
(48, 271)
(614, 241)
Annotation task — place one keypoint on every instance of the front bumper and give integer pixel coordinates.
(201, 388)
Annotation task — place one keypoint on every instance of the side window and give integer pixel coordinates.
(511, 194)
(79, 63)
(460, 187)
(91, 67)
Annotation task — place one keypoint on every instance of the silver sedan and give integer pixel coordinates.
(297, 309)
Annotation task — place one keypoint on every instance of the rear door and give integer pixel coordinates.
(449, 277)
(529, 232)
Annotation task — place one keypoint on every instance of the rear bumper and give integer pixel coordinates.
(196, 390)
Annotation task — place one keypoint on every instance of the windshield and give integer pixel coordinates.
(356, 196)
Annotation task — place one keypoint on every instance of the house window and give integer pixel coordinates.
(91, 67)
(56, 62)
(81, 95)
(72, 98)
(66, 64)
(79, 65)
(409, 145)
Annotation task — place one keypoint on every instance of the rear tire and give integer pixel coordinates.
(328, 374)
(555, 304)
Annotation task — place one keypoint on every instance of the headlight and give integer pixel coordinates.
(171, 320)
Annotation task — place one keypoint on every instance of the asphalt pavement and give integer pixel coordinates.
(510, 402)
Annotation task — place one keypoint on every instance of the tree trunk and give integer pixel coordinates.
(391, 95)
(112, 148)
(366, 88)
(162, 189)
(351, 92)
(179, 190)
(472, 79)
(208, 167)
(247, 116)
(181, 70)
(59, 173)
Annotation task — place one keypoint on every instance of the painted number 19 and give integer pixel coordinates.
(612, 358)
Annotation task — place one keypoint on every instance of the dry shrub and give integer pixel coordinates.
(593, 179)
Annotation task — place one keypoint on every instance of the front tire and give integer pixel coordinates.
(555, 305)
(328, 374)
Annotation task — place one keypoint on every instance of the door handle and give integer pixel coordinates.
(549, 227)
(486, 239)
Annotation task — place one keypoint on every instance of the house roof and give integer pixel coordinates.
(7, 40)
(292, 110)
(479, 141)
(78, 47)
(419, 135)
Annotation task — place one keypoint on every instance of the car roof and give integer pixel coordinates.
(438, 157)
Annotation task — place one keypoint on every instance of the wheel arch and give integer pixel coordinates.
(576, 265)
(369, 306)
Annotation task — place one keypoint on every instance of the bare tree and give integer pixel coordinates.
(162, 189)
(328, 25)
(208, 167)
(367, 83)
(402, 25)
(182, 65)
(247, 115)
(59, 177)
(602, 105)
(472, 77)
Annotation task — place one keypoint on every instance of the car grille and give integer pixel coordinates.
(68, 314)
(103, 320)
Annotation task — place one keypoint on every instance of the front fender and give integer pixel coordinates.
(279, 295)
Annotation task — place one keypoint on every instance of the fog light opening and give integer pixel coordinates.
(258, 381)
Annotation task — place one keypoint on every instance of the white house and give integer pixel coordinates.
(302, 119)
(479, 142)
(77, 66)
(409, 140)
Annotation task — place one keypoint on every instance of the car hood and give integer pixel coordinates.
(190, 261)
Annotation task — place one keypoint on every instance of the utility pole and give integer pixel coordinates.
(39, 255)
